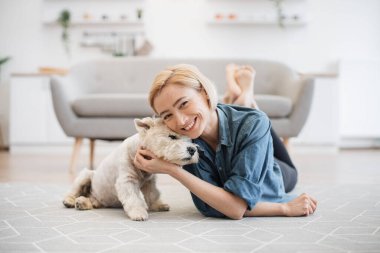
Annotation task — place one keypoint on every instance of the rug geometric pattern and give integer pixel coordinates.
(32, 219)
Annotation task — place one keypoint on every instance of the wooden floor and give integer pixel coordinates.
(315, 166)
(36, 165)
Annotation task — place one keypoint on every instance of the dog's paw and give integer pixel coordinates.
(69, 202)
(159, 207)
(83, 203)
(138, 214)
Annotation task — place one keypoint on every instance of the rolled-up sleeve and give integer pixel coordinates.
(251, 163)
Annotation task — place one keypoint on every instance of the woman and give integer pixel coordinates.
(237, 174)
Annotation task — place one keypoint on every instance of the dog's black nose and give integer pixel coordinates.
(191, 150)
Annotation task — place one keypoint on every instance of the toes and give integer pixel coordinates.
(244, 72)
(231, 67)
(250, 68)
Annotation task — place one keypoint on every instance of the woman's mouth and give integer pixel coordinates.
(190, 125)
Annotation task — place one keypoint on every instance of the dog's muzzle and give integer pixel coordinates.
(191, 150)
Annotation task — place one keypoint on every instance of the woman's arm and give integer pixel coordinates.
(220, 199)
(235, 207)
(300, 206)
(216, 197)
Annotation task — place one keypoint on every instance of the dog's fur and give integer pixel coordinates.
(116, 182)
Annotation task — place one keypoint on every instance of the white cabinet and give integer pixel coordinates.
(359, 98)
(322, 125)
(32, 118)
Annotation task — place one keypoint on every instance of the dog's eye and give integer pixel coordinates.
(173, 137)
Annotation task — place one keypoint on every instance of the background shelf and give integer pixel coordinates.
(97, 23)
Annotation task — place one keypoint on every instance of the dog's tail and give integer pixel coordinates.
(80, 187)
(84, 181)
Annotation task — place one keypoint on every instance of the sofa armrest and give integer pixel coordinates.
(62, 97)
(302, 105)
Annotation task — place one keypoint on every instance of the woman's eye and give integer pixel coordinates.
(166, 117)
(173, 137)
(183, 104)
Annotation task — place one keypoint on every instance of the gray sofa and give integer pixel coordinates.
(99, 99)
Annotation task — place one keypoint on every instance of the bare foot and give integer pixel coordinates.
(245, 76)
(233, 90)
(303, 205)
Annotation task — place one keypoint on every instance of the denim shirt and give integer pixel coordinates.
(243, 163)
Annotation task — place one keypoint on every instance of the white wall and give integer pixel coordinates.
(339, 29)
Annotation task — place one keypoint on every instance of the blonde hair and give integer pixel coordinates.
(186, 75)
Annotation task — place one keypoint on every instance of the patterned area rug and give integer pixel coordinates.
(32, 219)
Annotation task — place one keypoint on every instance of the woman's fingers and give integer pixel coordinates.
(137, 161)
(309, 204)
(314, 200)
(146, 154)
(143, 154)
(313, 205)
(311, 211)
(141, 162)
(306, 206)
(303, 205)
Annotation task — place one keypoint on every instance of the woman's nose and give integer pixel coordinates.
(181, 119)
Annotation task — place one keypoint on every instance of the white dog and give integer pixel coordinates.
(116, 182)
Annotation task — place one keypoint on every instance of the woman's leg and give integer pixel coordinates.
(233, 90)
(280, 151)
(244, 78)
(289, 175)
(288, 170)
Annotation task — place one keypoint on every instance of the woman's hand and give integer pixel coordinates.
(147, 161)
(300, 206)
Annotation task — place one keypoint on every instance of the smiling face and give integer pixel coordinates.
(184, 110)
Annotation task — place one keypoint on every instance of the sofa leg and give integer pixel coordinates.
(75, 154)
(92, 152)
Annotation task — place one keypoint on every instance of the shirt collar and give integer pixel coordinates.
(224, 131)
(224, 128)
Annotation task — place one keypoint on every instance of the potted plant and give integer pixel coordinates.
(64, 20)
(3, 60)
(280, 12)
(139, 13)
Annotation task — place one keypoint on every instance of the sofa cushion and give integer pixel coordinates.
(112, 105)
(136, 105)
(274, 106)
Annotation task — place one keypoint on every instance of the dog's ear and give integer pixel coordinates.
(142, 125)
